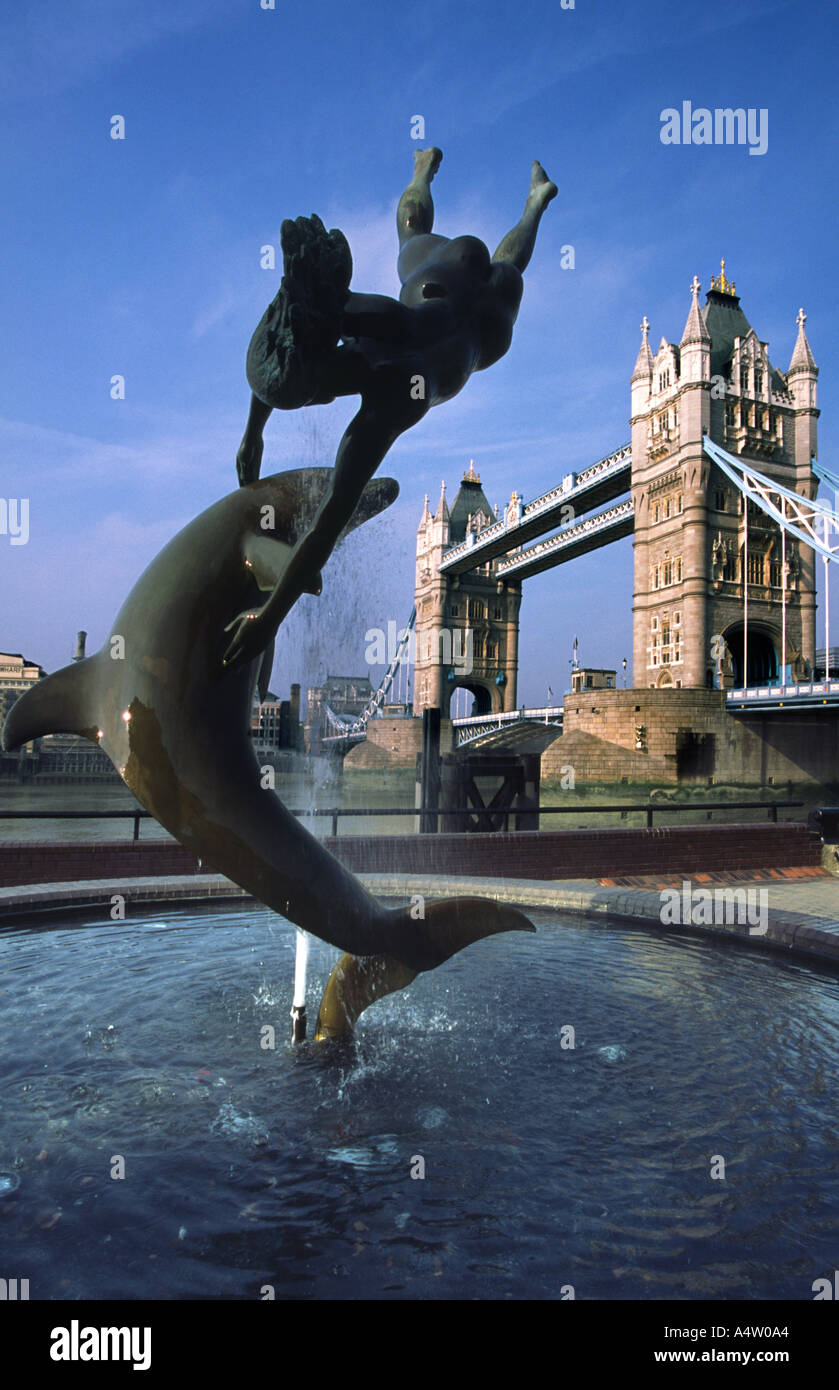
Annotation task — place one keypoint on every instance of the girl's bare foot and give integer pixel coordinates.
(542, 190)
(426, 164)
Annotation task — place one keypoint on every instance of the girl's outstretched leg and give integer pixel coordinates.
(517, 246)
(415, 213)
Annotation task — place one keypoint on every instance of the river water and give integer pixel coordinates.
(316, 787)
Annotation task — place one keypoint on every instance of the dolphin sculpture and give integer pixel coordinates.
(174, 720)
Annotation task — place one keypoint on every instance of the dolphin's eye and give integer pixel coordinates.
(431, 290)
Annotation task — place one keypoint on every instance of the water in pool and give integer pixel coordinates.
(137, 1047)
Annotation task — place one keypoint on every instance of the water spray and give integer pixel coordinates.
(298, 1003)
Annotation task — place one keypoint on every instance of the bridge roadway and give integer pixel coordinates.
(783, 697)
(604, 481)
(596, 531)
(522, 730)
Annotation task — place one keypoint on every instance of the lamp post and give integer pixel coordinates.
(623, 664)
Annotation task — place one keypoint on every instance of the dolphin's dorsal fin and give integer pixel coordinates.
(58, 704)
(267, 557)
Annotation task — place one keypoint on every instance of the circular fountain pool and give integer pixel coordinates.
(139, 1049)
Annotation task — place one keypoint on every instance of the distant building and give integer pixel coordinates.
(829, 667)
(276, 723)
(590, 678)
(346, 696)
(16, 676)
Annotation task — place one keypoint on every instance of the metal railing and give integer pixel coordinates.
(336, 812)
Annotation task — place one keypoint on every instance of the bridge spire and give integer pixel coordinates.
(644, 361)
(695, 328)
(802, 358)
(442, 512)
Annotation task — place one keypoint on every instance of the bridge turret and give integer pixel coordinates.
(467, 626)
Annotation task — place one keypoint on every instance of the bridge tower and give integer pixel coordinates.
(467, 627)
(691, 529)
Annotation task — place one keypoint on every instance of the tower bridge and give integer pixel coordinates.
(718, 488)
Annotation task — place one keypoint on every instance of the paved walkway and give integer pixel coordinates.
(799, 912)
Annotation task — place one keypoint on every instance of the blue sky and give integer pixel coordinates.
(141, 257)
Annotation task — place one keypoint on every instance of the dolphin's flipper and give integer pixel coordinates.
(64, 703)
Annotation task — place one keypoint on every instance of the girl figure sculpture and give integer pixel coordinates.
(318, 340)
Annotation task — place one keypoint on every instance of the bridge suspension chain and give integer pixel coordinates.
(800, 516)
(358, 724)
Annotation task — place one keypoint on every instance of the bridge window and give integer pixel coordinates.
(666, 508)
(654, 573)
(655, 513)
(476, 608)
(775, 574)
(679, 505)
(667, 572)
(755, 569)
(498, 613)
(453, 610)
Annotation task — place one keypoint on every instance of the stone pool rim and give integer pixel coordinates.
(797, 934)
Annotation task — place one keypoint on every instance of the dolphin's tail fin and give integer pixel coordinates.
(357, 982)
(58, 704)
(447, 927)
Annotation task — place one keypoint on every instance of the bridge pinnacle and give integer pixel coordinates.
(720, 283)
(644, 361)
(695, 327)
(802, 358)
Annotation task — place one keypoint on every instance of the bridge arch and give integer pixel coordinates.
(762, 653)
(487, 697)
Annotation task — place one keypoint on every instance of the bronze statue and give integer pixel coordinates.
(170, 701)
(318, 340)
